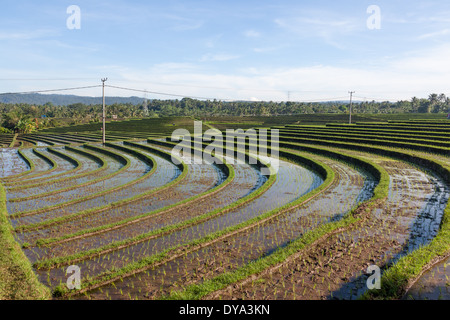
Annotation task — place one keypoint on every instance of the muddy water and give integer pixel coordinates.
(40, 166)
(243, 183)
(411, 218)
(136, 169)
(70, 179)
(352, 186)
(164, 174)
(62, 166)
(42, 144)
(433, 284)
(201, 178)
(11, 163)
(292, 182)
(378, 240)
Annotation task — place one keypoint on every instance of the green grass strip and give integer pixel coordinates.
(197, 291)
(120, 158)
(40, 195)
(47, 223)
(229, 171)
(143, 264)
(87, 212)
(30, 163)
(411, 146)
(379, 130)
(183, 168)
(13, 141)
(51, 162)
(398, 278)
(365, 137)
(52, 263)
(27, 184)
(49, 140)
(17, 278)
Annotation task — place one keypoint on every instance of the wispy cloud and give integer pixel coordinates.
(218, 57)
(184, 24)
(252, 34)
(435, 34)
(28, 35)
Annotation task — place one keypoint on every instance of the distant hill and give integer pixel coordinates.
(64, 100)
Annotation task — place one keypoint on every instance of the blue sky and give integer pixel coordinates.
(252, 50)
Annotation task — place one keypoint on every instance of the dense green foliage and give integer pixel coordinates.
(19, 116)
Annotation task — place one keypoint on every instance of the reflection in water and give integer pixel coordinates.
(11, 163)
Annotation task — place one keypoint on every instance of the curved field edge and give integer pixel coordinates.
(120, 158)
(17, 278)
(126, 164)
(75, 162)
(178, 250)
(51, 162)
(145, 158)
(56, 262)
(226, 169)
(101, 162)
(399, 277)
(396, 281)
(279, 256)
(6, 180)
(13, 141)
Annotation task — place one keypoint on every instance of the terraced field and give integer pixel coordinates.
(140, 225)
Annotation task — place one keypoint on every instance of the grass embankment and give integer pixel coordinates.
(198, 291)
(17, 279)
(399, 277)
(135, 267)
(126, 164)
(150, 161)
(407, 270)
(13, 141)
(51, 263)
(78, 165)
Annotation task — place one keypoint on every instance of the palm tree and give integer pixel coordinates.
(433, 98)
(415, 103)
(25, 125)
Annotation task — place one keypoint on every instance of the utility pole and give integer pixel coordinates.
(104, 113)
(351, 96)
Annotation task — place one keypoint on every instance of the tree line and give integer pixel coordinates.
(26, 117)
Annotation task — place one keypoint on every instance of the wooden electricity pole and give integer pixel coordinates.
(104, 113)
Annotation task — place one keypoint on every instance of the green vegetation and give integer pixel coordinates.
(17, 278)
(189, 243)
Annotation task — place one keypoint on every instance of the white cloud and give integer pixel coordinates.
(416, 74)
(440, 33)
(218, 57)
(28, 35)
(252, 34)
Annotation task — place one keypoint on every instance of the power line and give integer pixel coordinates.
(165, 94)
(223, 88)
(50, 90)
(44, 79)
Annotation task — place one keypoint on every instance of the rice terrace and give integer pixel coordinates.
(350, 211)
